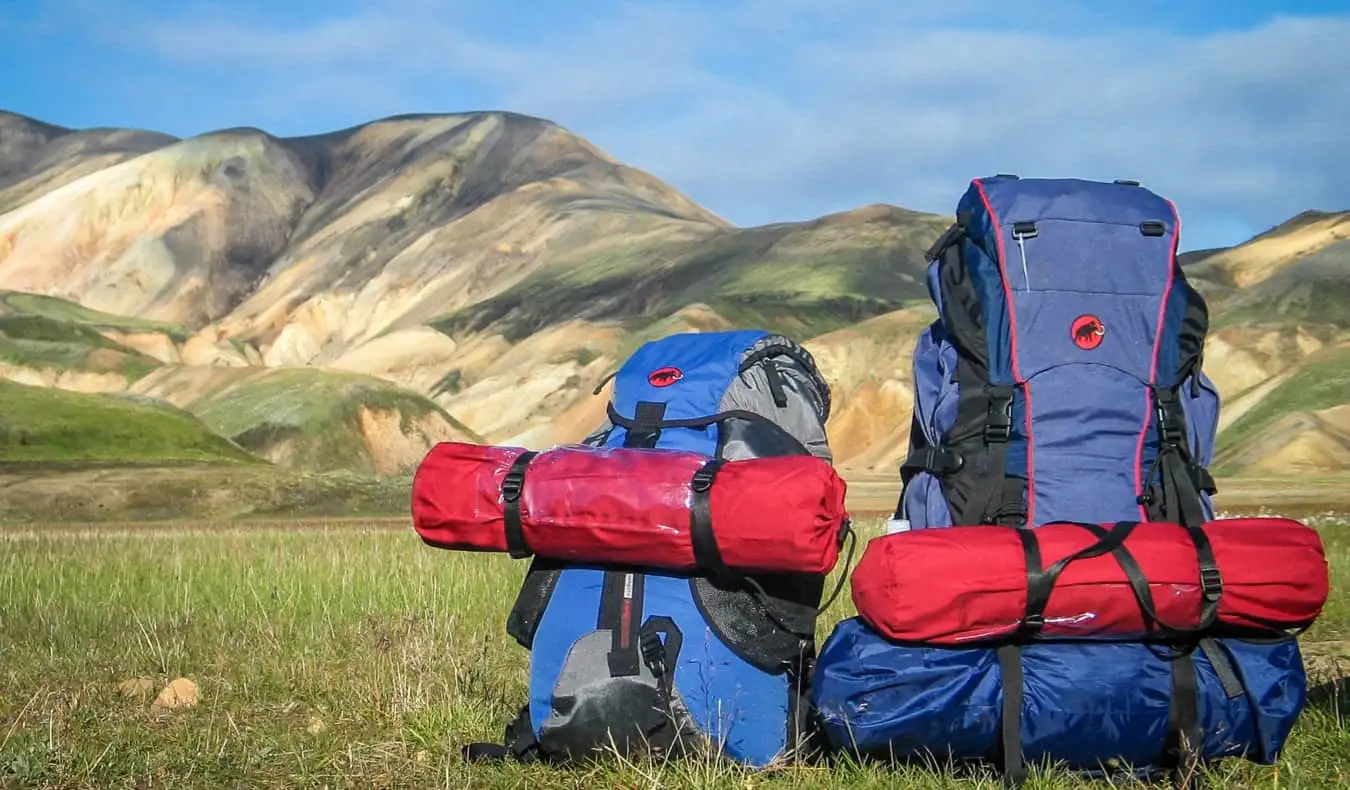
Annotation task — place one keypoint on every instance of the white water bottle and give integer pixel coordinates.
(894, 525)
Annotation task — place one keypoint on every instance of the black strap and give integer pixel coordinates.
(1177, 497)
(696, 422)
(707, 555)
(620, 611)
(938, 461)
(1041, 584)
(987, 492)
(1010, 728)
(645, 429)
(513, 485)
(1184, 738)
(518, 744)
(662, 660)
(1223, 669)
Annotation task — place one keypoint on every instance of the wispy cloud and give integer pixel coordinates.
(783, 109)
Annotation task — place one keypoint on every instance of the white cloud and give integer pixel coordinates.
(834, 104)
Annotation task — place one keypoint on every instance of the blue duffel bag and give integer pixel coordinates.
(1093, 707)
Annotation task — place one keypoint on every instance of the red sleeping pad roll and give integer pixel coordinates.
(954, 585)
(634, 507)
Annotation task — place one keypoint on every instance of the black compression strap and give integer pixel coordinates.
(1038, 588)
(1010, 730)
(1183, 726)
(513, 485)
(1211, 581)
(707, 555)
(645, 430)
(621, 601)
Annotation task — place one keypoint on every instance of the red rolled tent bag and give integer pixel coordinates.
(955, 585)
(633, 506)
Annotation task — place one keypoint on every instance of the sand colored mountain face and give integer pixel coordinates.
(346, 299)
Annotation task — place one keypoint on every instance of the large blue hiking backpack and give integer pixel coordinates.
(717, 665)
(1061, 381)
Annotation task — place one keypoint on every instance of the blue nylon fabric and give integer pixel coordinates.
(1084, 703)
(742, 709)
(1088, 407)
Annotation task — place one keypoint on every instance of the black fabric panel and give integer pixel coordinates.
(533, 596)
(741, 438)
(769, 640)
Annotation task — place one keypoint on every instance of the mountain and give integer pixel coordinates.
(345, 299)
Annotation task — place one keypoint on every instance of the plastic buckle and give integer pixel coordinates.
(1211, 582)
(1033, 623)
(702, 481)
(512, 485)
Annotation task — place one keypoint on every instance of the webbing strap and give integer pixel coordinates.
(1010, 727)
(1184, 737)
(1040, 585)
(707, 555)
(513, 485)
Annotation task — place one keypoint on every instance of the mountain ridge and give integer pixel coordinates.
(493, 267)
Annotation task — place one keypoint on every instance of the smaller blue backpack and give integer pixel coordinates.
(633, 660)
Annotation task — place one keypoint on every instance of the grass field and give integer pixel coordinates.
(348, 654)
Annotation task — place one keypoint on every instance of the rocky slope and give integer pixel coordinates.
(348, 298)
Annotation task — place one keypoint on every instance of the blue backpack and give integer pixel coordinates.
(630, 659)
(1061, 381)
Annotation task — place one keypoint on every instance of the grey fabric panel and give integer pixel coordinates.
(808, 399)
(592, 710)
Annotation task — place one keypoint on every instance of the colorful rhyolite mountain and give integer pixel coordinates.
(344, 300)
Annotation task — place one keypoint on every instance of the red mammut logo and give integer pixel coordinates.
(664, 377)
(1088, 331)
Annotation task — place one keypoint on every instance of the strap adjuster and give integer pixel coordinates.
(1211, 583)
(512, 486)
(702, 479)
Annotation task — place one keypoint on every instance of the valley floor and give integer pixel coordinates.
(333, 653)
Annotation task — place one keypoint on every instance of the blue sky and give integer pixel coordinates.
(761, 110)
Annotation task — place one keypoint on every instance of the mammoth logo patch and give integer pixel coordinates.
(1087, 332)
(664, 377)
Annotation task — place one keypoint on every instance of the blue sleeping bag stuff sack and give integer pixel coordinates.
(1061, 381)
(634, 660)
(1085, 705)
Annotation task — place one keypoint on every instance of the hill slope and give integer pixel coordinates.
(343, 299)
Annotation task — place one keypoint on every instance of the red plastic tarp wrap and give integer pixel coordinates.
(633, 506)
(956, 585)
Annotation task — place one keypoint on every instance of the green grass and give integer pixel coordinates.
(66, 311)
(318, 410)
(39, 424)
(351, 655)
(42, 343)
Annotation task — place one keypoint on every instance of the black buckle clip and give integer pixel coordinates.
(653, 652)
(702, 480)
(512, 485)
(999, 430)
(1211, 583)
(1032, 624)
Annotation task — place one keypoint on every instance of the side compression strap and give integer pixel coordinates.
(620, 609)
(1184, 736)
(513, 485)
(706, 553)
(1040, 584)
(1010, 727)
(1176, 497)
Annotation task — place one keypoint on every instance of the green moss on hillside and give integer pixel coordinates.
(1321, 383)
(315, 412)
(40, 424)
(802, 279)
(62, 310)
(42, 343)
